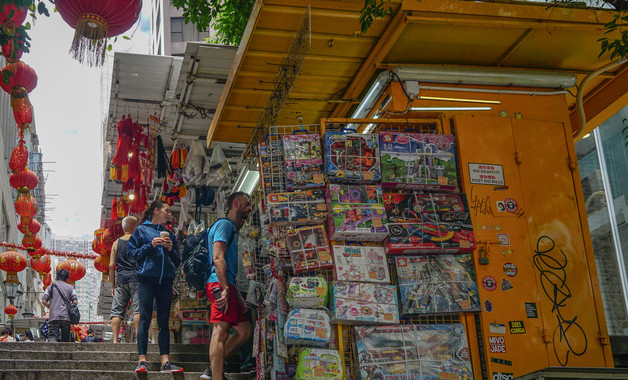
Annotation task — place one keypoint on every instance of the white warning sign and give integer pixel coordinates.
(486, 174)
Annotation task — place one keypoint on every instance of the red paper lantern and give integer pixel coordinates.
(12, 262)
(23, 112)
(10, 311)
(19, 158)
(31, 243)
(26, 206)
(39, 252)
(101, 263)
(24, 180)
(11, 16)
(108, 238)
(25, 227)
(96, 21)
(22, 81)
(47, 280)
(75, 268)
(41, 264)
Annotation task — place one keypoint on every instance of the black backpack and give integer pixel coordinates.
(196, 263)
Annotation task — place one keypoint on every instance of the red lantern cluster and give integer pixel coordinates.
(94, 23)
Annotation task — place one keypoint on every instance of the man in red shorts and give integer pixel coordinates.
(228, 308)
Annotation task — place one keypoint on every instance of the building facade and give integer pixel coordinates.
(169, 32)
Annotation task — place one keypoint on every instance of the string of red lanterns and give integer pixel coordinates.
(52, 252)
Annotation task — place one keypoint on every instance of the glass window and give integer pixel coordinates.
(176, 29)
(609, 235)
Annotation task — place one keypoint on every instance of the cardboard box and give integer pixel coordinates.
(361, 264)
(304, 161)
(319, 364)
(307, 327)
(357, 212)
(309, 249)
(437, 284)
(361, 303)
(418, 161)
(297, 208)
(352, 157)
(428, 223)
(413, 352)
(308, 292)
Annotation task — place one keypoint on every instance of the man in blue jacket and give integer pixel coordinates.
(228, 308)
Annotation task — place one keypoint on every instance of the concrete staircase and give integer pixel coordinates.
(99, 361)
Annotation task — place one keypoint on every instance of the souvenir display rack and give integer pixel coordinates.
(273, 263)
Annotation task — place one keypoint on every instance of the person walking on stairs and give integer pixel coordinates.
(156, 256)
(53, 298)
(123, 279)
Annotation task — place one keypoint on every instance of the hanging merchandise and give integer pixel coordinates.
(297, 208)
(124, 150)
(95, 22)
(352, 157)
(428, 223)
(195, 165)
(437, 284)
(362, 303)
(219, 167)
(174, 187)
(357, 213)
(418, 161)
(205, 196)
(304, 161)
(405, 351)
(163, 163)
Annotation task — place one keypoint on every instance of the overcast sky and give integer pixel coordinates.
(67, 109)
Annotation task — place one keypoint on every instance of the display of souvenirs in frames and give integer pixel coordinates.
(413, 352)
(437, 284)
(304, 161)
(428, 223)
(360, 263)
(352, 157)
(418, 161)
(309, 249)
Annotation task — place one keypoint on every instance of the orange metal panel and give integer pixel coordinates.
(540, 307)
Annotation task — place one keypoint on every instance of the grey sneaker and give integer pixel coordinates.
(169, 367)
(207, 374)
(141, 367)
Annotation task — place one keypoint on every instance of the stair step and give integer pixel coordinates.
(103, 365)
(64, 374)
(105, 346)
(91, 355)
(73, 374)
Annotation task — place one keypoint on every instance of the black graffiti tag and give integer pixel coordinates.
(480, 205)
(568, 337)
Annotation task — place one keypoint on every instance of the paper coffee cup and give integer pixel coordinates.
(164, 234)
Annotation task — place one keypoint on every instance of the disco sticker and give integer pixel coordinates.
(510, 270)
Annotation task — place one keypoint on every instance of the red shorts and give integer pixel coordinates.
(234, 314)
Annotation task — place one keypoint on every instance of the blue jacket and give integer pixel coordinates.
(153, 262)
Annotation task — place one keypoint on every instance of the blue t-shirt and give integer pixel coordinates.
(223, 230)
